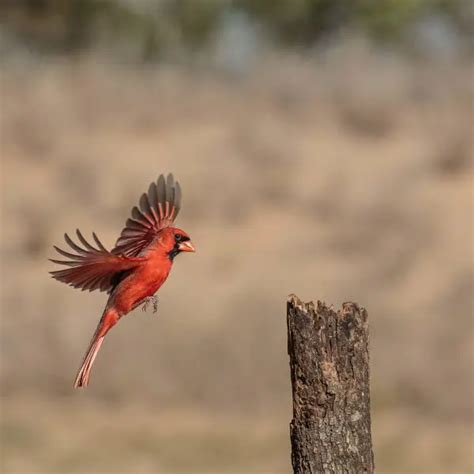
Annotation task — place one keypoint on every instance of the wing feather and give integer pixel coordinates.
(156, 210)
(91, 268)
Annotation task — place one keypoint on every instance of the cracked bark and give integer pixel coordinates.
(329, 364)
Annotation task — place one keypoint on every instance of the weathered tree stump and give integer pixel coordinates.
(329, 364)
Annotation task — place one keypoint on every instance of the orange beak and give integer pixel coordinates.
(186, 246)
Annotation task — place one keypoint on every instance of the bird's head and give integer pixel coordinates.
(176, 241)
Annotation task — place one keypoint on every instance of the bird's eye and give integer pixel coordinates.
(178, 237)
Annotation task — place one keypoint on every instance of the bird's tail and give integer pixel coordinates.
(109, 319)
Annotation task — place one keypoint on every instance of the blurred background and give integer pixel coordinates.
(324, 148)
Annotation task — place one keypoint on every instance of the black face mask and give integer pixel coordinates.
(175, 251)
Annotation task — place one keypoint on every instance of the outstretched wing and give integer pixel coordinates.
(158, 209)
(92, 268)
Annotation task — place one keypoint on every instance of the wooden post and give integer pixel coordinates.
(329, 364)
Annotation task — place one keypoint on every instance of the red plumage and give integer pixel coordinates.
(134, 269)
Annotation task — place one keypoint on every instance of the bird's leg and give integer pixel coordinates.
(150, 299)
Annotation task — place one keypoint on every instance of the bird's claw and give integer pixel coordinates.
(150, 299)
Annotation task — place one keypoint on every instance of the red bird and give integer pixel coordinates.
(133, 271)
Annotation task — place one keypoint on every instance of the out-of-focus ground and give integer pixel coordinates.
(347, 176)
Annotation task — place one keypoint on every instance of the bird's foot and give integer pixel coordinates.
(150, 300)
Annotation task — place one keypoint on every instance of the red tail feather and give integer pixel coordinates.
(107, 321)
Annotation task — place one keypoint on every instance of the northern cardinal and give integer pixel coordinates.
(133, 271)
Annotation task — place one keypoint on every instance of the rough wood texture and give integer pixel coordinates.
(329, 363)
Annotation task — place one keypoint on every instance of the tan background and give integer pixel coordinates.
(344, 176)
